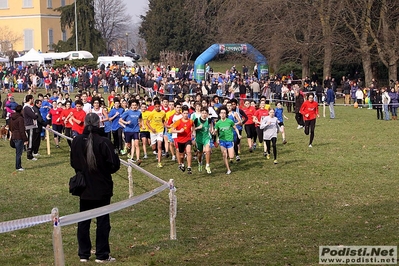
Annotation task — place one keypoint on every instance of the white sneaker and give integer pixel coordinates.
(36, 155)
(208, 169)
(145, 156)
(173, 158)
(21, 169)
(310, 146)
(110, 259)
(299, 127)
(33, 159)
(228, 172)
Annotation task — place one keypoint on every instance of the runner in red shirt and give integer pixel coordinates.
(259, 114)
(56, 121)
(184, 128)
(77, 119)
(250, 125)
(309, 111)
(68, 126)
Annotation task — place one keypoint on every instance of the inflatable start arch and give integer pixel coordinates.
(218, 48)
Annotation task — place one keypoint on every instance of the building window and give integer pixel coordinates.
(64, 36)
(49, 3)
(50, 39)
(62, 2)
(27, 3)
(28, 39)
(3, 4)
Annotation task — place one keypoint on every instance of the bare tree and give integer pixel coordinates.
(8, 38)
(386, 36)
(111, 20)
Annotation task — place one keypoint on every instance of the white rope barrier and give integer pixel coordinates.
(14, 225)
(90, 214)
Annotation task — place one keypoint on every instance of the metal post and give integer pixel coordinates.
(127, 42)
(76, 28)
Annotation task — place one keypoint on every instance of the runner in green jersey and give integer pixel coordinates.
(225, 127)
(203, 129)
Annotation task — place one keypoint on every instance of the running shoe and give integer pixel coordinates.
(145, 156)
(310, 146)
(159, 165)
(208, 169)
(250, 150)
(110, 259)
(284, 141)
(265, 154)
(268, 156)
(138, 162)
(238, 158)
(228, 172)
(189, 171)
(275, 162)
(173, 158)
(123, 152)
(254, 146)
(182, 168)
(129, 155)
(199, 167)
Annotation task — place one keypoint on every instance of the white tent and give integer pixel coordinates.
(4, 60)
(32, 56)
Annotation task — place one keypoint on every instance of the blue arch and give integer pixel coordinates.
(218, 48)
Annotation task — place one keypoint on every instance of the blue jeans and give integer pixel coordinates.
(332, 111)
(256, 97)
(386, 111)
(19, 148)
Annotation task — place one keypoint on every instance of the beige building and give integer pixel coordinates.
(31, 24)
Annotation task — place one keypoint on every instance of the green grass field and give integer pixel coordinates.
(343, 191)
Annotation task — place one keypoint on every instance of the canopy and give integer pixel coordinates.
(32, 56)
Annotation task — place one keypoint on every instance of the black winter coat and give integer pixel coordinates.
(99, 184)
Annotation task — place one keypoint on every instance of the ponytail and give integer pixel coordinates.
(92, 120)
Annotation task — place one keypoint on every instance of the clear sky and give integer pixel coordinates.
(136, 8)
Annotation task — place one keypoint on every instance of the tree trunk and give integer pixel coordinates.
(366, 61)
(327, 59)
(305, 65)
(393, 69)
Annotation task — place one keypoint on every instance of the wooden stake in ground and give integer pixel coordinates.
(172, 209)
(57, 239)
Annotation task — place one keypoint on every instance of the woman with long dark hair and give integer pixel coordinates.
(95, 157)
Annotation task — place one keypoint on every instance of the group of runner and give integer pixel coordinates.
(176, 128)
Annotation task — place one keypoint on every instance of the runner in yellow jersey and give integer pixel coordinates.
(155, 124)
(144, 132)
(168, 140)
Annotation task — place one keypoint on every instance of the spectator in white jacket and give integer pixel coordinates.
(359, 97)
(385, 102)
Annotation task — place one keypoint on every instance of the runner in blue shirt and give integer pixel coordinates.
(116, 128)
(130, 121)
